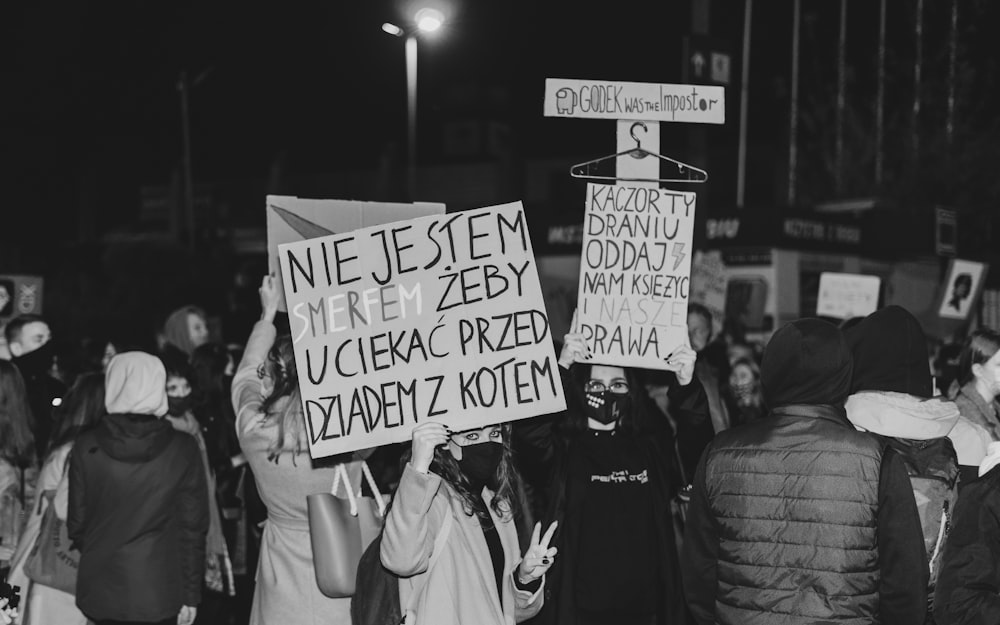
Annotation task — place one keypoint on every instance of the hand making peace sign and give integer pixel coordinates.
(539, 556)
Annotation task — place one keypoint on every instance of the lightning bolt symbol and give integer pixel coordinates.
(678, 254)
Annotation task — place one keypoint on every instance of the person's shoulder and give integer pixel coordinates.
(985, 490)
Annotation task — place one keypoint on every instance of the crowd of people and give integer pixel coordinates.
(829, 476)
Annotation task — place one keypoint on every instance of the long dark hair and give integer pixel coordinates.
(280, 365)
(17, 444)
(979, 347)
(637, 419)
(81, 409)
(506, 484)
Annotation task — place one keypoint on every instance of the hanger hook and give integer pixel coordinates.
(632, 132)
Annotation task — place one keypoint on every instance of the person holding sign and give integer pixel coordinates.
(272, 435)
(479, 577)
(613, 474)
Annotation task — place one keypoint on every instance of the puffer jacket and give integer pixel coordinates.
(799, 518)
(806, 502)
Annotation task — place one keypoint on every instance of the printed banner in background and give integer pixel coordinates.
(20, 295)
(294, 219)
(635, 273)
(437, 318)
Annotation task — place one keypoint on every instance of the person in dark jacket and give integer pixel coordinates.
(137, 506)
(30, 342)
(612, 474)
(799, 518)
(968, 588)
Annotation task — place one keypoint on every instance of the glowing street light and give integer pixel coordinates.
(392, 29)
(429, 20)
(426, 20)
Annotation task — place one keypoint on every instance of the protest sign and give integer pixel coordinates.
(438, 318)
(20, 295)
(604, 99)
(847, 295)
(294, 219)
(708, 285)
(635, 273)
(961, 288)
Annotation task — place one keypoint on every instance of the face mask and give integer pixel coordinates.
(743, 392)
(177, 406)
(37, 362)
(480, 461)
(605, 407)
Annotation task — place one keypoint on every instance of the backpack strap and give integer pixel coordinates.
(439, 542)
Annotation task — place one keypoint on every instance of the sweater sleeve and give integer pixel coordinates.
(408, 536)
(902, 559)
(700, 551)
(528, 598)
(969, 582)
(247, 385)
(192, 515)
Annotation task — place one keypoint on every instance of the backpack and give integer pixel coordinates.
(376, 594)
(932, 466)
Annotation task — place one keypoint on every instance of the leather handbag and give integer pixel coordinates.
(340, 530)
(52, 562)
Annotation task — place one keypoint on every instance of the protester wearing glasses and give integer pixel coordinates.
(612, 473)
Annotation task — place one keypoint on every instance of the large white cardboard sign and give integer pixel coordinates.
(437, 318)
(292, 218)
(635, 273)
(605, 99)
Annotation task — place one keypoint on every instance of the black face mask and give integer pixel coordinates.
(479, 462)
(37, 362)
(177, 406)
(605, 407)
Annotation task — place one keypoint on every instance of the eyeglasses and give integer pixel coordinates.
(596, 386)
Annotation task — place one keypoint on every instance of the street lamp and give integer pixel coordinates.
(427, 21)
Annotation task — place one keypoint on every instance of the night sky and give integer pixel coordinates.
(91, 108)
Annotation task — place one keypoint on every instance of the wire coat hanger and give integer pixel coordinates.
(691, 173)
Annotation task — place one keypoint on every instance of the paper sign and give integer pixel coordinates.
(438, 318)
(602, 99)
(635, 273)
(847, 295)
(294, 219)
(20, 295)
(708, 285)
(961, 288)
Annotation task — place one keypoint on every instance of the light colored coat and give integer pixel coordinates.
(45, 604)
(461, 588)
(286, 589)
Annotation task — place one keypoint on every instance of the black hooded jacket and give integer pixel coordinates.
(43, 390)
(799, 518)
(138, 514)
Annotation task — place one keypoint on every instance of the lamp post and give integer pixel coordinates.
(427, 21)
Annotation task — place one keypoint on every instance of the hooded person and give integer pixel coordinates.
(799, 517)
(892, 397)
(892, 390)
(137, 506)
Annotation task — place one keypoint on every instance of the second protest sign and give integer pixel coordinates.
(635, 273)
(438, 318)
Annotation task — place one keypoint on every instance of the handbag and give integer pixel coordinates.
(340, 530)
(52, 562)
